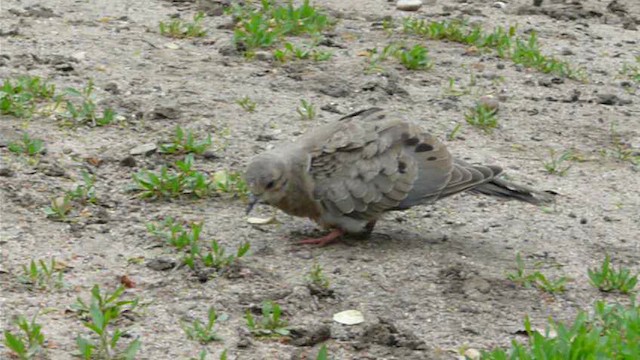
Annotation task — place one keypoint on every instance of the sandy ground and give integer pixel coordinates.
(430, 281)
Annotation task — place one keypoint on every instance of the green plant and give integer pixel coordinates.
(537, 279)
(19, 97)
(632, 71)
(185, 143)
(230, 183)
(175, 234)
(415, 58)
(171, 184)
(482, 116)
(454, 133)
(99, 317)
(376, 57)
(323, 353)
(203, 333)
(180, 29)
(264, 26)
(611, 332)
(39, 275)
(555, 163)
(608, 279)
(27, 146)
(528, 54)
(28, 345)
(59, 208)
(85, 112)
(619, 149)
(317, 278)
(84, 193)
(306, 110)
(270, 324)
(247, 104)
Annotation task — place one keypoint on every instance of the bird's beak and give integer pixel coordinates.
(253, 200)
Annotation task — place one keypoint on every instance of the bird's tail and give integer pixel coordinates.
(507, 190)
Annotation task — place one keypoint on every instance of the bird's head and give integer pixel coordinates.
(267, 179)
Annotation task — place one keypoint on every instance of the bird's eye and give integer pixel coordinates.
(269, 185)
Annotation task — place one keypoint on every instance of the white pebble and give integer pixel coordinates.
(408, 5)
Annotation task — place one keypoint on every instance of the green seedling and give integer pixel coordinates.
(226, 182)
(84, 193)
(171, 184)
(263, 27)
(376, 57)
(271, 324)
(20, 96)
(186, 143)
(415, 58)
(175, 234)
(323, 353)
(609, 279)
(528, 54)
(247, 104)
(180, 29)
(202, 355)
(203, 333)
(217, 259)
(29, 344)
(100, 317)
(86, 110)
(632, 71)
(39, 275)
(555, 164)
(27, 146)
(536, 279)
(59, 208)
(611, 332)
(317, 278)
(454, 133)
(306, 110)
(482, 116)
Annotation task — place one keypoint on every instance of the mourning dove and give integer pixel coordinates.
(346, 174)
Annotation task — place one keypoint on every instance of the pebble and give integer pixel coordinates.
(499, 5)
(144, 149)
(129, 161)
(409, 5)
(6, 171)
(263, 56)
(161, 264)
(607, 99)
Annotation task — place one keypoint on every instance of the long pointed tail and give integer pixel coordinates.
(507, 190)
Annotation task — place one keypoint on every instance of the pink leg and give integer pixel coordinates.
(324, 240)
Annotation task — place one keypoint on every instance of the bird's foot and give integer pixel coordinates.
(324, 240)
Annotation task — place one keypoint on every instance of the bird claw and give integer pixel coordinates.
(324, 240)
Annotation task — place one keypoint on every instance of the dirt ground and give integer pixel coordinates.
(430, 281)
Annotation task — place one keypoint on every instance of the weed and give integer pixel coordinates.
(59, 208)
(611, 332)
(230, 182)
(608, 279)
(537, 279)
(376, 57)
(482, 116)
(203, 333)
(84, 193)
(41, 276)
(85, 112)
(454, 133)
(619, 149)
(27, 146)
(555, 163)
(317, 278)
(185, 143)
(175, 233)
(300, 53)
(247, 104)
(171, 184)
(306, 110)
(632, 71)
(415, 58)
(20, 96)
(28, 345)
(528, 54)
(180, 29)
(103, 310)
(260, 28)
(323, 353)
(270, 324)
(217, 259)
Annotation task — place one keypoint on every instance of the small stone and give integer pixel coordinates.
(164, 112)
(263, 56)
(472, 354)
(566, 51)
(112, 88)
(607, 99)
(210, 155)
(583, 221)
(79, 56)
(409, 5)
(537, 2)
(499, 5)
(161, 264)
(144, 149)
(490, 102)
(54, 170)
(6, 171)
(172, 46)
(129, 161)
